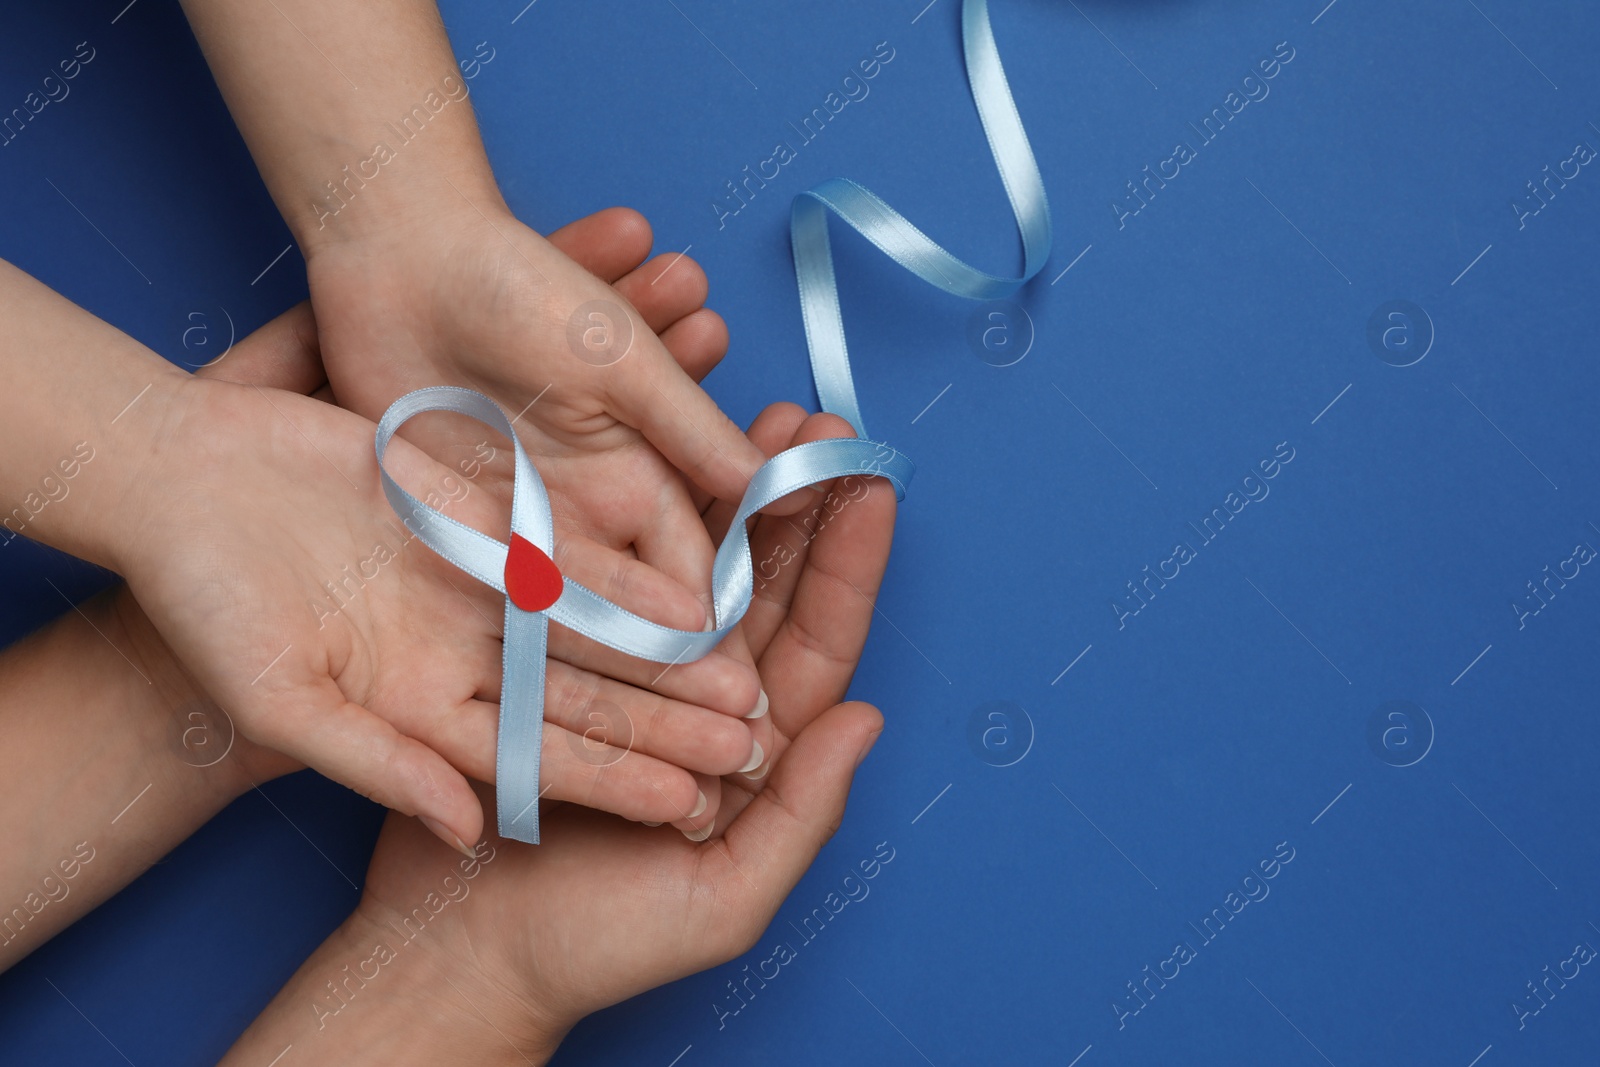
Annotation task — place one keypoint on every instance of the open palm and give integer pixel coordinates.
(307, 611)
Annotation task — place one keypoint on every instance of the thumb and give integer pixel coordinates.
(656, 397)
(778, 835)
(283, 354)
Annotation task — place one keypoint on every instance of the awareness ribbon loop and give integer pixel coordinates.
(583, 610)
(501, 566)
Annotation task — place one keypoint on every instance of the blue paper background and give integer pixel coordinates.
(1180, 749)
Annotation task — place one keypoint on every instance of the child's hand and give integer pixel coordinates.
(475, 298)
(420, 275)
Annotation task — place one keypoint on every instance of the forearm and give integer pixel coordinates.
(112, 758)
(76, 414)
(355, 112)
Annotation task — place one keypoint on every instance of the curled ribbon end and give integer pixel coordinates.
(533, 581)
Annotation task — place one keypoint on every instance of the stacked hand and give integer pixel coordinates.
(275, 570)
(269, 582)
(534, 938)
(605, 908)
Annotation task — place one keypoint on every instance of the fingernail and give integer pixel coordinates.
(756, 776)
(868, 746)
(698, 808)
(647, 822)
(447, 837)
(761, 706)
(755, 760)
(698, 835)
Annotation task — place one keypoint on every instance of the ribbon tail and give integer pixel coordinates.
(516, 765)
(896, 237)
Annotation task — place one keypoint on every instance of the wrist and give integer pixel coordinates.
(127, 471)
(389, 304)
(177, 460)
(371, 994)
(485, 1012)
(385, 195)
(186, 728)
(407, 230)
(87, 443)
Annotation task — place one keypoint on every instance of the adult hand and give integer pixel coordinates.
(382, 658)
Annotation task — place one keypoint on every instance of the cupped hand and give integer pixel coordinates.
(603, 910)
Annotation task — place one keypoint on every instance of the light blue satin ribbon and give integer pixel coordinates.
(583, 610)
(586, 612)
(901, 241)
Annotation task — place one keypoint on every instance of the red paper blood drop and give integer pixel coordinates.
(532, 581)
